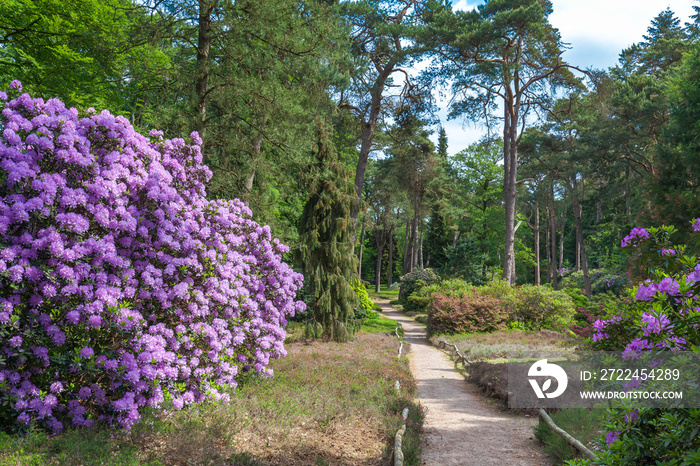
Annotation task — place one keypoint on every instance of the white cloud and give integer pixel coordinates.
(606, 27)
(464, 5)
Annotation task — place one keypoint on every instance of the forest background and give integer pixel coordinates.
(573, 159)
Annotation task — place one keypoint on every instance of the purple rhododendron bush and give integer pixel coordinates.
(662, 313)
(121, 286)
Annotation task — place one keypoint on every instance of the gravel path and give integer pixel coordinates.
(461, 427)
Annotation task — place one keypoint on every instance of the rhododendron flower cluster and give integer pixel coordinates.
(635, 236)
(121, 285)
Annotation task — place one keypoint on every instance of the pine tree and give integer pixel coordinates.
(324, 243)
(438, 239)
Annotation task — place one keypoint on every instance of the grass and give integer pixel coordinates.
(377, 323)
(328, 403)
(497, 345)
(582, 424)
(384, 293)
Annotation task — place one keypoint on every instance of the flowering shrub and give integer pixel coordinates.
(121, 285)
(465, 314)
(661, 313)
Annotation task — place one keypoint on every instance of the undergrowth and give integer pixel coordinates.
(328, 403)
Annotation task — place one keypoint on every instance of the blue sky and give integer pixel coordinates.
(596, 30)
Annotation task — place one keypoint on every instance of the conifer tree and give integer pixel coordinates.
(325, 242)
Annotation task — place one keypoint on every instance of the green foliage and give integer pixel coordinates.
(361, 292)
(478, 204)
(466, 262)
(468, 313)
(497, 288)
(414, 280)
(419, 300)
(539, 307)
(602, 281)
(678, 160)
(437, 239)
(577, 297)
(88, 53)
(324, 233)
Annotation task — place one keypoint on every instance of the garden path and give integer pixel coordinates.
(461, 427)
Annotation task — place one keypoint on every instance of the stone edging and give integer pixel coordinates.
(398, 453)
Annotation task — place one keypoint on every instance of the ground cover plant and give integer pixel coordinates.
(328, 403)
(496, 345)
(121, 286)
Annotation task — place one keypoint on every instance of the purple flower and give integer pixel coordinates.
(635, 236)
(15, 341)
(634, 384)
(635, 347)
(696, 224)
(86, 352)
(655, 325)
(611, 437)
(56, 387)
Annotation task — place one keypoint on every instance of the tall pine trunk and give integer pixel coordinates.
(362, 243)
(561, 238)
(553, 227)
(579, 236)
(390, 266)
(380, 237)
(546, 248)
(204, 41)
(407, 251)
(536, 234)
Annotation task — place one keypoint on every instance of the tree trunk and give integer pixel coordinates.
(536, 234)
(414, 242)
(380, 237)
(257, 147)
(547, 250)
(510, 174)
(579, 236)
(204, 40)
(561, 238)
(407, 249)
(422, 225)
(362, 243)
(578, 254)
(390, 266)
(368, 128)
(553, 227)
(628, 195)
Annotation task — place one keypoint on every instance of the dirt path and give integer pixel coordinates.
(461, 427)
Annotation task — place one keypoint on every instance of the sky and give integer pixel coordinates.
(596, 31)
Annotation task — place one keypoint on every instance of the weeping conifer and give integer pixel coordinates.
(324, 242)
